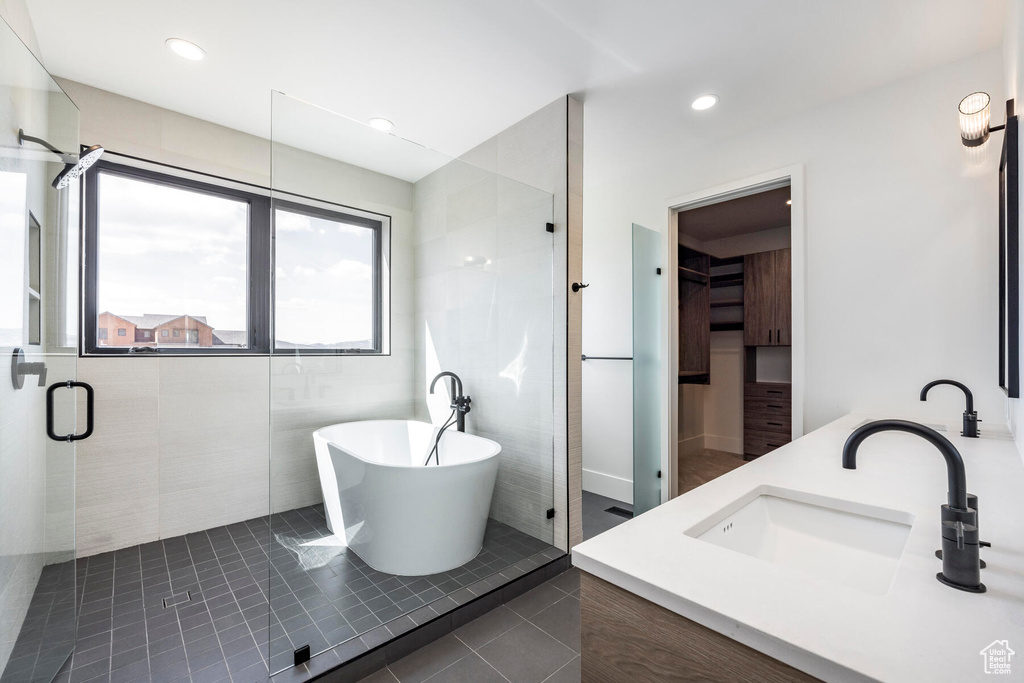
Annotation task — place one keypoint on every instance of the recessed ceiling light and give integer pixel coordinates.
(705, 102)
(789, 202)
(186, 49)
(381, 124)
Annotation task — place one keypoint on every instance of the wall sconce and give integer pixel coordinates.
(975, 115)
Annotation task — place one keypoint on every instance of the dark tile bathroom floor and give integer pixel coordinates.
(596, 518)
(195, 608)
(535, 637)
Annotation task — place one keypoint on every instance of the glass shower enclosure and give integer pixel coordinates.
(38, 347)
(394, 263)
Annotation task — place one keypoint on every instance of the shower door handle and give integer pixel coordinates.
(89, 396)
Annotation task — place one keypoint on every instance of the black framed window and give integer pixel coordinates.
(190, 267)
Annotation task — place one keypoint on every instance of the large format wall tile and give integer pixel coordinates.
(489, 285)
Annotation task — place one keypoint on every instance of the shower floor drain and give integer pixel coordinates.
(178, 599)
(616, 510)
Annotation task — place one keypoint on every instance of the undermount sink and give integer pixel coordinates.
(850, 543)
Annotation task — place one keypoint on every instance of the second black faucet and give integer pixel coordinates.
(971, 420)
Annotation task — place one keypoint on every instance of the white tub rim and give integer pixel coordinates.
(493, 451)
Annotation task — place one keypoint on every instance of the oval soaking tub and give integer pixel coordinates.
(399, 515)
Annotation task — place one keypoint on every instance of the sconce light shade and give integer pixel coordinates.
(974, 119)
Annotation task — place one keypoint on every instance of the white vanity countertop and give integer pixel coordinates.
(920, 631)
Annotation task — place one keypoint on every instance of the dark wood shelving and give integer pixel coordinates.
(726, 327)
(691, 271)
(694, 316)
(723, 303)
(727, 280)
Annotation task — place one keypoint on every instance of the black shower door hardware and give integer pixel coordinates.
(586, 357)
(89, 400)
(577, 286)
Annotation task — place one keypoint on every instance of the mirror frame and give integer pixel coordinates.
(1009, 261)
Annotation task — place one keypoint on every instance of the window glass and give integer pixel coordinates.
(324, 282)
(171, 254)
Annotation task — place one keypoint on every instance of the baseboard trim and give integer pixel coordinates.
(729, 444)
(608, 485)
(691, 445)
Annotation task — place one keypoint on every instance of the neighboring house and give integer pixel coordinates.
(153, 329)
(114, 330)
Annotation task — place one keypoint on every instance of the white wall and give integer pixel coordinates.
(723, 398)
(892, 211)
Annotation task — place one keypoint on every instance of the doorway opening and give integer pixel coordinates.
(735, 330)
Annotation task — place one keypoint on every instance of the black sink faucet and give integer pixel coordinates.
(970, 415)
(961, 559)
(460, 403)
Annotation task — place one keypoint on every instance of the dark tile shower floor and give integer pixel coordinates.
(194, 608)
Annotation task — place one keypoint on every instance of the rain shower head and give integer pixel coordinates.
(74, 169)
(74, 166)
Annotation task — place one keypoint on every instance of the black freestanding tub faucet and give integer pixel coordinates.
(970, 415)
(460, 404)
(961, 558)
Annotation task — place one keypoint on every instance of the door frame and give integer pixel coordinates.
(798, 241)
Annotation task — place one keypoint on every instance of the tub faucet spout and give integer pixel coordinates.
(460, 404)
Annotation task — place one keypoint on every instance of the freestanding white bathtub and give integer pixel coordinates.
(399, 515)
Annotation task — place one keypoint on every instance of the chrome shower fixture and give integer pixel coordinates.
(74, 165)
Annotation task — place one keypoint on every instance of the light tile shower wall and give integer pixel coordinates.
(533, 152)
(484, 311)
(545, 151)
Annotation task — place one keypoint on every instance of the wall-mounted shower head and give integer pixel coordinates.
(74, 165)
(72, 170)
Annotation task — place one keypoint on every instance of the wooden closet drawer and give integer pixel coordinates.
(758, 443)
(768, 389)
(768, 423)
(767, 406)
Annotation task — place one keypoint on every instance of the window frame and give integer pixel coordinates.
(260, 257)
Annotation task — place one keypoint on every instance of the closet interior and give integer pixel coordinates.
(735, 331)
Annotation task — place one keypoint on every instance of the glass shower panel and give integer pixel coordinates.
(394, 263)
(647, 372)
(38, 324)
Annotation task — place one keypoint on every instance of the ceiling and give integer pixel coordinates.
(452, 73)
(752, 213)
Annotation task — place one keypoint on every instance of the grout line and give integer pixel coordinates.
(561, 667)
